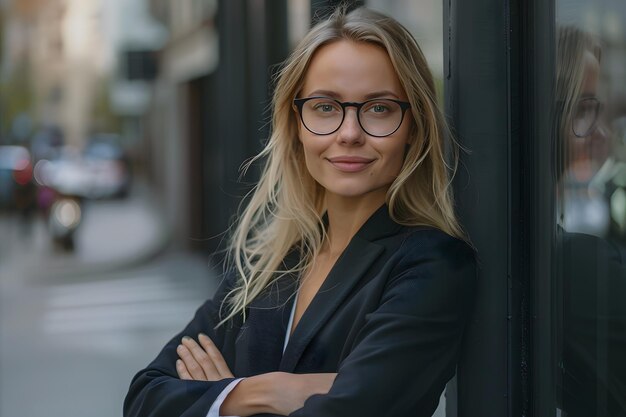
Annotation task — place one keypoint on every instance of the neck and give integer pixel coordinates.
(346, 216)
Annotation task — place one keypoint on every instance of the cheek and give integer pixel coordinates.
(306, 148)
(398, 161)
(313, 145)
(393, 160)
(312, 153)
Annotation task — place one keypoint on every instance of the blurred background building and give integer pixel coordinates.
(208, 107)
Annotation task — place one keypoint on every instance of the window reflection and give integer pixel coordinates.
(582, 132)
(589, 166)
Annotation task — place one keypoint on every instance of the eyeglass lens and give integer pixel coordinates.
(380, 117)
(585, 116)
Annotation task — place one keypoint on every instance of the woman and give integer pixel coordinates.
(591, 362)
(581, 140)
(349, 283)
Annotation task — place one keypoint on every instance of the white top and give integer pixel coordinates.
(214, 411)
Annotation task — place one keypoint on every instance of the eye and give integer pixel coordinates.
(324, 106)
(379, 108)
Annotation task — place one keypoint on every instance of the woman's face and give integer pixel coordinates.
(588, 153)
(350, 162)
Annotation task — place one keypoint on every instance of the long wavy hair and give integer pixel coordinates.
(284, 211)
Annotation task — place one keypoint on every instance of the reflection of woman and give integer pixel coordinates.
(592, 358)
(584, 143)
(349, 283)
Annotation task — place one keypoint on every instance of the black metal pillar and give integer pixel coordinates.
(539, 188)
(482, 90)
(253, 39)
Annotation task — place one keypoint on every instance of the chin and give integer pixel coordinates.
(356, 191)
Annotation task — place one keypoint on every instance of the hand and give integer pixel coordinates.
(201, 362)
(274, 393)
(292, 390)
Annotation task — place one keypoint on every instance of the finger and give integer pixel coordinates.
(181, 370)
(216, 356)
(192, 365)
(202, 358)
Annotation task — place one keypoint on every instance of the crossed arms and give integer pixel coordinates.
(398, 363)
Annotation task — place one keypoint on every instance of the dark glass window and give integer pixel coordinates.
(140, 65)
(590, 168)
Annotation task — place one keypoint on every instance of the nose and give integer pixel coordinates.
(350, 131)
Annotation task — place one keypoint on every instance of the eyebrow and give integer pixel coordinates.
(332, 94)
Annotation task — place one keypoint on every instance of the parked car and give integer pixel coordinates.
(109, 166)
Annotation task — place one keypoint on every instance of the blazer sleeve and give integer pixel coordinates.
(156, 391)
(408, 347)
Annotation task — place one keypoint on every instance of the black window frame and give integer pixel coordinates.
(499, 66)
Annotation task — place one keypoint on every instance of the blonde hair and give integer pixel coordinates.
(572, 45)
(284, 212)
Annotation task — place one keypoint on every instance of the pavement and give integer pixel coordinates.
(113, 234)
(76, 326)
(71, 347)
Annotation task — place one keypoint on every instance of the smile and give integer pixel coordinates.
(350, 163)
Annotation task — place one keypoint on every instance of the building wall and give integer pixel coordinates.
(226, 50)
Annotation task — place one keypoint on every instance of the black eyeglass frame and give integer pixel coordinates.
(598, 109)
(299, 103)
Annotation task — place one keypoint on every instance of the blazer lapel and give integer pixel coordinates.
(353, 263)
(260, 341)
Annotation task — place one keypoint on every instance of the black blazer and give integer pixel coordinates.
(388, 318)
(592, 354)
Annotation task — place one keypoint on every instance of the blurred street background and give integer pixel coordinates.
(123, 124)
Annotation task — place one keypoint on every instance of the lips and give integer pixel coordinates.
(350, 163)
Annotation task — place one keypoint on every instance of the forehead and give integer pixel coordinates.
(351, 71)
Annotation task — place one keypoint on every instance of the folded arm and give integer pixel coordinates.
(187, 377)
(278, 393)
(158, 390)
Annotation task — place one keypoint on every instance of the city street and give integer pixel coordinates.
(75, 327)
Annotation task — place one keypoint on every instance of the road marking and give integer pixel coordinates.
(129, 304)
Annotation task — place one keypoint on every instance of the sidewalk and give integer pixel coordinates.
(114, 234)
(75, 327)
(119, 232)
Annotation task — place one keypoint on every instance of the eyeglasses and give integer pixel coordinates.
(586, 116)
(378, 117)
